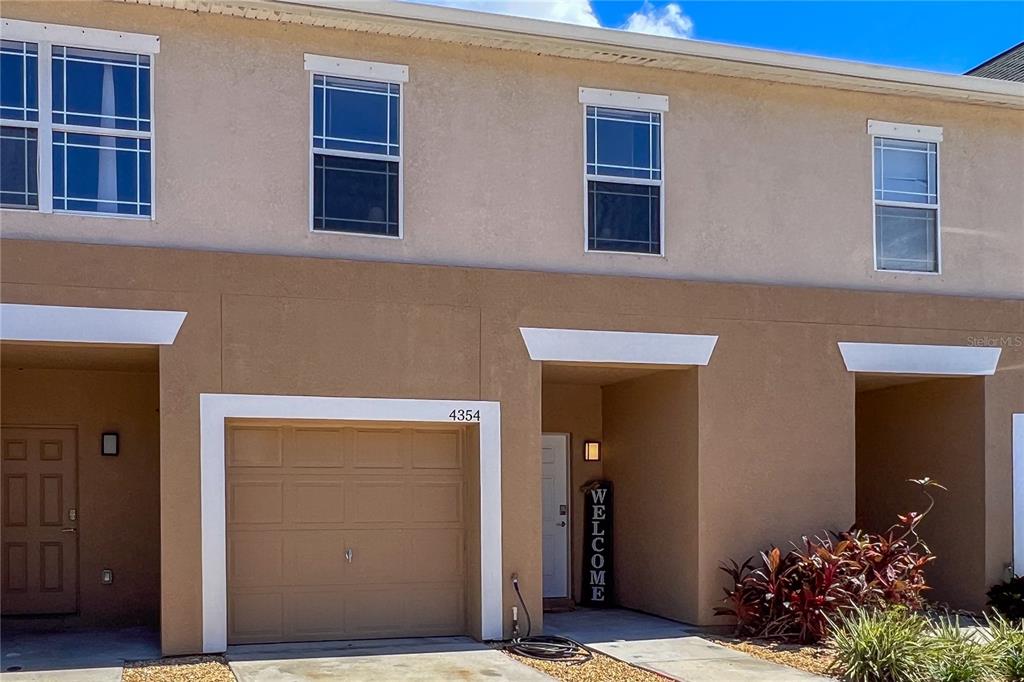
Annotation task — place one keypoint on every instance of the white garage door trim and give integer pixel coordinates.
(215, 408)
(1018, 493)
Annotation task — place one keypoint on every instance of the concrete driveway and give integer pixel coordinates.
(666, 647)
(409, 660)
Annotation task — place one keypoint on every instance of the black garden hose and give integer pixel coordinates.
(546, 647)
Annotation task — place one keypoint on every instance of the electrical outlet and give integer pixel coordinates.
(106, 576)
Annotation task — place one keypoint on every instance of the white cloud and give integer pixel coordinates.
(667, 20)
(567, 11)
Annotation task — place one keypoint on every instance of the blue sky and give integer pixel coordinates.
(944, 36)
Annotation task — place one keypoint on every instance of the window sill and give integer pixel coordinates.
(907, 272)
(340, 233)
(624, 253)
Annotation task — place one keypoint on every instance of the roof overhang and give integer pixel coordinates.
(445, 24)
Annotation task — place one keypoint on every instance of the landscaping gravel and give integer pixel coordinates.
(182, 669)
(600, 668)
(813, 659)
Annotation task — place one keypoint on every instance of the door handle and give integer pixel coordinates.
(348, 555)
(562, 524)
(68, 530)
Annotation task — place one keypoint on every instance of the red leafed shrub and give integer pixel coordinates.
(793, 596)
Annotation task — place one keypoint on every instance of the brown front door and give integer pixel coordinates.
(40, 540)
(341, 530)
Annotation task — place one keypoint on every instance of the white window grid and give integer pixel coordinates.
(45, 128)
(877, 175)
(141, 63)
(656, 120)
(20, 48)
(392, 89)
(26, 134)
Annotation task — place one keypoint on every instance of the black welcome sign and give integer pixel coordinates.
(597, 544)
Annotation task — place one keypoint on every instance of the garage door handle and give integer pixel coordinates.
(348, 555)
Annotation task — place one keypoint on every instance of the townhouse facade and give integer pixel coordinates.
(319, 319)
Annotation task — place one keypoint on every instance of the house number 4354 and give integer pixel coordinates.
(464, 415)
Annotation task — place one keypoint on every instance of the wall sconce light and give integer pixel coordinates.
(110, 444)
(591, 451)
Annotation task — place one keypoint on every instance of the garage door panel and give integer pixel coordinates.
(255, 558)
(438, 552)
(315, 615)
(379, 501)
(255, 501)
(314, 557)
(379, 556)
(314, 447)
(255, 447)
(436, 450)
(256, 617)
(437, 501)
(314, 501)
(437, 608)
(301, 494)
(376, 611)
(380, 449)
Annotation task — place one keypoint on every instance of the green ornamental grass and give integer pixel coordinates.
(881, 645)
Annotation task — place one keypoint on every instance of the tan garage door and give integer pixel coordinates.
(341, 531)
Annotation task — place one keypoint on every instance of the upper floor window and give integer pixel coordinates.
(906, 196)
(356, 146)
(623, 171)
(76, 116)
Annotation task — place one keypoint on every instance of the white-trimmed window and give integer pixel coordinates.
(623, 178)
(76, 116)
(356, 146)
(906, 196)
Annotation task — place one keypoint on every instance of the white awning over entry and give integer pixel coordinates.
(646, 348)
(908, 358)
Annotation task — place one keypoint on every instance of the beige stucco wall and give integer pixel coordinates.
(932, 428)
(651, 439)
(118, 497)
(776, 413)
(574, 409)
(765, 182)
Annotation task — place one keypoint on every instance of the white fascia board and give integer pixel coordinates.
(79, 36)
(215, 408)
(88, 325)
(907, 358)
(623, 100)
(905, 131)
(355, 68)
(646, 348)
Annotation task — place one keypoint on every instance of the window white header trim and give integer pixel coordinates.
(905, 131)
(623, 100)
(98, 38)
(645, 348)
(907, 358)
(355, 68)
(88, 325)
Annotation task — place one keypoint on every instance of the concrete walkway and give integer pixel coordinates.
(72, 655)
(409, 660)
(666, 647)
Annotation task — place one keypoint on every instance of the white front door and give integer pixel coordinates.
(555, 466)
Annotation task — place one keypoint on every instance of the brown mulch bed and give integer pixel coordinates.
(813, 659)
(180, 669)
(600, 668)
